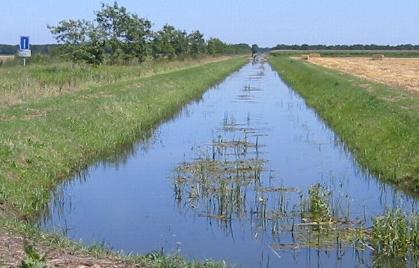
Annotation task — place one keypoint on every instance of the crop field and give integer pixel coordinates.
(397, 72)
(4, 58)
(351, 53)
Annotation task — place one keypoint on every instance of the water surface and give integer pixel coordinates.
(225, 180)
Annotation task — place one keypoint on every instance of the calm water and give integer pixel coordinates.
(225, 180)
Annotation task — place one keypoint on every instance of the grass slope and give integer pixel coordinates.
(45, 140)
(50, 77)
(378, 123)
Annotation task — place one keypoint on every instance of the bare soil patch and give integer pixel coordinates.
(398, 72)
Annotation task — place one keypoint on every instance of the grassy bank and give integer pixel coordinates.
(48, 77)
(45, 140)
(378, 123)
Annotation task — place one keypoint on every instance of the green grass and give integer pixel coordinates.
(50, 77)
(44, 141)
(380, 125)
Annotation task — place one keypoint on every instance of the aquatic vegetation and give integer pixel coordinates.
(395, 234)
(219, 180)
(226, 182)
(330, 235)
(319, 208)
(222, 190)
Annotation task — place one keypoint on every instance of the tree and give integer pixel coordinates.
(169, 43)
(116, 36)
(115, 32)
(81, 41)
(181, 43)
(162, 45)
(255, 49)
(126, 34)
(196, 43)
(215, 46)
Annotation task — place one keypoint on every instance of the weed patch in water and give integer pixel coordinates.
(396, 235)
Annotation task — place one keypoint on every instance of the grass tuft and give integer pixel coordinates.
(395, 234)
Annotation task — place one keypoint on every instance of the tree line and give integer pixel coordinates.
(119, 36)
(346, 47)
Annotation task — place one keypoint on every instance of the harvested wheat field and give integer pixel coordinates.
(399, 72)
(4, 58)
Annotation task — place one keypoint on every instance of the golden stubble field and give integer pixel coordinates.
(4, 58)
(398, 72)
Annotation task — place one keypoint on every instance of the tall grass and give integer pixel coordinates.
(380, 125)
(49, 77)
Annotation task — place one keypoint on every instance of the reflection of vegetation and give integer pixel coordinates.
(241, 189)
(329, 236)
(219, 180)
(221, 183)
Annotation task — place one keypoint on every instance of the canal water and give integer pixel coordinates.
(228, 178)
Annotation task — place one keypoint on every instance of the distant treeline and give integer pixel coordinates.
(119, 36)
(346, 47)
(36, 49)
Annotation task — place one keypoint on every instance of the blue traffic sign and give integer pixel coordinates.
(24, 42)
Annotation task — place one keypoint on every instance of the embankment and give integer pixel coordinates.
(379, 124)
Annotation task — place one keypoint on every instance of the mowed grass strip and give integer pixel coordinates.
(378, 123)
(44, 141)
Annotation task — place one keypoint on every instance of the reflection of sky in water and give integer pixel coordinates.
(129, 202)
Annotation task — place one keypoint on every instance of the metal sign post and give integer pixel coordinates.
(24, 49)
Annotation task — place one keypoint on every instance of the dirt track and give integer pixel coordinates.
(398, 72)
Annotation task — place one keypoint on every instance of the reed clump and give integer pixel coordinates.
(319, 204)
(395, 234)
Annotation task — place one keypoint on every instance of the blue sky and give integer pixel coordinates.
(265, 22)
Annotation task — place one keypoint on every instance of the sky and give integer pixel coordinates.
(264, 22)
